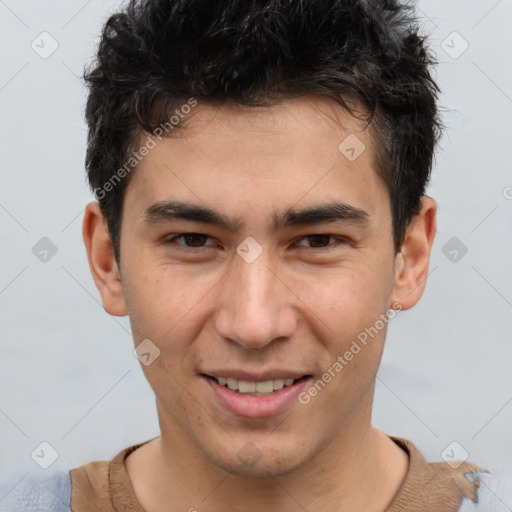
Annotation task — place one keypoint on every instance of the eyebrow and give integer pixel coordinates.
(333, 211)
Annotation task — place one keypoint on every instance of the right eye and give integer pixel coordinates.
(191, 240)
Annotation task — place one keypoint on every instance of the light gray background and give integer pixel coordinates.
(67, 373)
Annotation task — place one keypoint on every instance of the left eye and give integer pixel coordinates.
(320, 241)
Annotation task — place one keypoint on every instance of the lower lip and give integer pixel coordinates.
(256, 406)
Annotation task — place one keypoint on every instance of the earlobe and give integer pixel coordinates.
(100, 254)
(411, 264)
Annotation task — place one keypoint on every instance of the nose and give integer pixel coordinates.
(255, 305)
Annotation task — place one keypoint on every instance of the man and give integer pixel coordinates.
(261, 168)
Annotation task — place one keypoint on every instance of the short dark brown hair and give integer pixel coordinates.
(154, 54)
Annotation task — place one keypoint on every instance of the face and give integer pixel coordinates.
(254, 248)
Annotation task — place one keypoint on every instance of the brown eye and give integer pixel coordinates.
(189, 239)
(319, 240)
(195, 239)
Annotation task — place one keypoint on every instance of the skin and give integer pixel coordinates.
(295, 307)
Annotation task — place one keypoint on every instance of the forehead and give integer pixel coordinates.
(303, 149)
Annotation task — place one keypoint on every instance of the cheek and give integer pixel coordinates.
(170, 305)
(345, 307)
(163, 297)
(345, 297)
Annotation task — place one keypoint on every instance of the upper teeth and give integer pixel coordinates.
(244, 386)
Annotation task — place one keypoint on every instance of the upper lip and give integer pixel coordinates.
(255, 376)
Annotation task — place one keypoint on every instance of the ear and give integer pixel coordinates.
(411, 264)
(102, 263)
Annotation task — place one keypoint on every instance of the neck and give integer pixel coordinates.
(368, 470)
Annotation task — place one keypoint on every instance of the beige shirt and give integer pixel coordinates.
(428, 487)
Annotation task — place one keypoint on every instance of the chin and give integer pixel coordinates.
(259, 459)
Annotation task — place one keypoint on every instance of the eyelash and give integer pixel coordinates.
(341, 240)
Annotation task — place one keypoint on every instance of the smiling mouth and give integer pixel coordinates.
(262, 388)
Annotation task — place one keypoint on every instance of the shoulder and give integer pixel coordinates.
(453, 485)
(494, 493)
(104, 483)
(49, 494)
